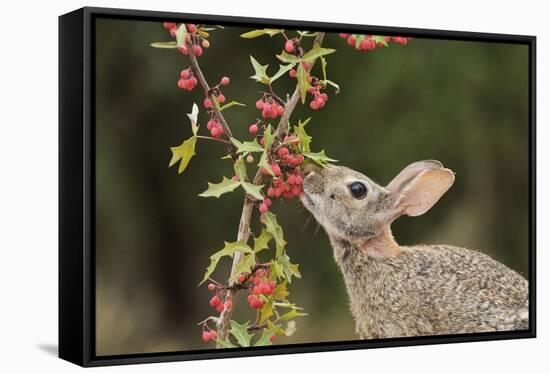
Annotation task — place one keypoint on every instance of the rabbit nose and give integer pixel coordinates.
(311, 168)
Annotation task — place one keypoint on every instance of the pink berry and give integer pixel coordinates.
(206, 336)
(197, 50)
(211, 124)
(292, 73)
(298, 180)
(207, 103)
(221, 130)
(224, 81)
(185, 74)
(169, 25)
(215, 301)
(228, 304)
(220, 308)
(191, 27)
(276, 169)
(272, 338)
(214, 132)
(259, 104)
(221, 98)
(263, 208)
(184, 50)
(235, 178)
(344, 36)
(266, 290)
(211, 287)
(192, 83)
(351, 40)
(289, 46)
(313, 105)
(183, 83)
(291, 179)
(267, 201)
(253, 129)
(282, 152)
(271, 192)
(205, 43)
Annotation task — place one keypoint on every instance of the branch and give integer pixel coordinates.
(248, 205)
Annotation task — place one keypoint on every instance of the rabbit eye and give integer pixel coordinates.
(358, 190)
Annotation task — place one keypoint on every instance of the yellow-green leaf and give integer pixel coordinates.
(273, 227)
(256, 33)
(245, 147)
(181, 33)
(317, 52)
(305, 139)
(319, 157)
(266, 311)
(287, 268)
(240, 332)
(288, 58)
(253, 190)
(167, 45)
(303, 82)
(262, 241)
(266, 336)
(280, 292)
(230, 104)
(229, 249)
(244, 266)
(240, 169)
(260, 71)
(268, 137)
(183, 153)
(226, 343)
(282, 70)
(291, 315)
(218, 189)
(210, 269)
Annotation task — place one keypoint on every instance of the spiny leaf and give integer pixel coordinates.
(263, 163)
(282, 70)
(218, 189)
(240, 332)
(181, 33)
(253, 190)
(245, 147)
(230, 248)
(266, 336)
(226, 343)
(260, 74)
(168, 45)
(303, 82)
(280, 292)
(273, 227)
(210, 269)
(305, 139)
(240, 169)
(291, 315)
(262, 241)
(255, 33)
(230, 104)
(266, 311)
(183, 152)
(319, 157)
(288, 269)
(268, 137)
(288, 58)
(316, 52)
(244, 266)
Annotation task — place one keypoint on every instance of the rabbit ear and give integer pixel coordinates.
(420, 193)
(411, 171)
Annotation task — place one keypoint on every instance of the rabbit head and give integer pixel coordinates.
(352, 207)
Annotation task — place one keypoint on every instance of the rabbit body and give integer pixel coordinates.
(398, 291)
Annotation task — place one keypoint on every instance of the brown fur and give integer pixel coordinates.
(399, 291)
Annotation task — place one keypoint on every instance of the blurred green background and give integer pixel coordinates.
(464, 103)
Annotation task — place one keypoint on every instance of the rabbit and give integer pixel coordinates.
(400, 291)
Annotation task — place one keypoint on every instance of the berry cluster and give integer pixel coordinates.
(191, 38)
(216, 92)
(216, 300)
(368, 43)
(209, 335)
(187, 80)
(215, 127)
(319, 98)
(258, 284)
(270, 106)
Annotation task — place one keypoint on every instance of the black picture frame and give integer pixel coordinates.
(76, 187)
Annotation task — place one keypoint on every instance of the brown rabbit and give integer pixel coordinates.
(400, 291)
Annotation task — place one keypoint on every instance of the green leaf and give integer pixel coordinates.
(324, 67)
(168, 45)
(210, 269)
(319, 157)
(183, 153)
(244, 266)
(218, 189)
(255, 33)
(303, 83)
(230, 248)
(262, 241)
(260, 74)
(266, 336)
(240, 332)
(291, 315)
(181, 33)
(230, 104)
(317, 52)
(282, 70)
(266, 311)
(273, 227)
(253, 190)
(268, 137)
(280, 292)
(305, 139)
(288, 58)
(193, 118)
(287, 268)
(245, 147)
(308, 34)
(380, 39)
(225, 343)
(263, 163)
(290, 328)
(240, 169)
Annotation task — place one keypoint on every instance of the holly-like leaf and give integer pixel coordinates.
(240, 169)
(167, 45)
(218, 189)
(282, 70)
(183, 153)
(253, 190)
(260, 71)
(303, 82)
(268, 137)
(240, 332)
(255, 33)
(316, 52)
(244, 266)
(263, 163)
(229, 249)
(226, 343)
(181, 33)
(288, 58)
(210, 269)
(280, 292)
(287, 268)
(230, 104)
(291, 315)
(305, 139)
(273, 227)
(246, 147)
(266, 311)
(319, 157)
(380, 39)
(193, 118)
(266, 336)
(262, 241)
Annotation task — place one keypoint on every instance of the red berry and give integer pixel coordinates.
(169, 25)
(364, 44)
(289, 46)
(221, 98)
(197, 50)
(205, 43)
(192, 83)
(292, 73)
(220, 308)
(213, 334)
(257, 290)
(262, 141)
(291, 179)
(224, 81)
(266, 290)
(387, 39)
(228, 304)
(320, 102)
(313, 105)
(184, 50)
(263, 208)
(214, 132)
(259, 104)
(276, 169)
(215, 301)
(235, 178)
(185, 74)
(306, 65)
(267, 201)
(211, 124)
(257, 281)
(221, 130)
(298, 180)
(271, 192)
(183, 83)
(253, 129)
(272, 284)
(351, 40)
(280, 110)
(324, 96)
(206, 336)
(211, 287)
(282, 152)
(344, 36)
(296, 190)
(242, 278)
(207, 103)
(272, 338)
(191, 27)
(173, 32)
